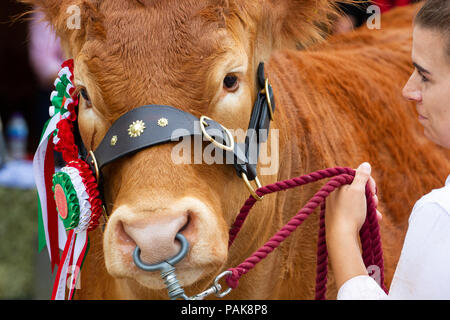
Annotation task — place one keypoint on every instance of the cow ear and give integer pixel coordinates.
(74, 21)
(299, 23)
(52, 9)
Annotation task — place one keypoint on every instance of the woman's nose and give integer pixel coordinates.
(411, 91)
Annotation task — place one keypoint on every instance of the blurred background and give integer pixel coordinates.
(30, 58)
(29, 63)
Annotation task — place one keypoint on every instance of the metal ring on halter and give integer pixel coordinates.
(162, 265)
(218, 286)
(250, 188)
(94, 162)
(269, 102)
(217, 144)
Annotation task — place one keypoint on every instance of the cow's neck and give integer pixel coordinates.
(299, 154)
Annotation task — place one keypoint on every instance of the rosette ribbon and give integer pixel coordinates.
(71, 193)
(78, 206)
(51, 229)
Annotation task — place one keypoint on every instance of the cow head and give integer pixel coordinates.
(201, 57)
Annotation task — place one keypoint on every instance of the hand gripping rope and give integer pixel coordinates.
(369, 233)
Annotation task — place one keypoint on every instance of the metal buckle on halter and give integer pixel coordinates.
(269, 101)
(203, 123)
(250, 188)
(94, 163)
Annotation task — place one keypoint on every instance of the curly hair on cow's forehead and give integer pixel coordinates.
(435, 15)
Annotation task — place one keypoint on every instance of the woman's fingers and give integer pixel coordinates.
(362, 176)
(379, 216)
(372, 185)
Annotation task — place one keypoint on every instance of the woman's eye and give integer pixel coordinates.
(231, 83)
(422, 77)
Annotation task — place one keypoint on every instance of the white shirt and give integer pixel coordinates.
(423, 270)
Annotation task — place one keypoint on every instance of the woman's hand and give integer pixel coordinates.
(344, 216)
(346, 207)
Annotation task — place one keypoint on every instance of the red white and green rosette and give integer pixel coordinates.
(57, 135)
(70, 194)
(66, 198)
(79, 208)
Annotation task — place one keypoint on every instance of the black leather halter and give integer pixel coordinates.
(151, 125)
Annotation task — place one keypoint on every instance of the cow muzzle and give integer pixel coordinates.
(188, 234)
(156, 242)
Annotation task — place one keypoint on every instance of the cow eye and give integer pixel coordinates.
(231, 83)
(85, 95)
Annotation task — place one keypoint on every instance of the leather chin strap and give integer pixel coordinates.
(164, 124)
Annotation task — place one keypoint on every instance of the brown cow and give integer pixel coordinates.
(337, 105)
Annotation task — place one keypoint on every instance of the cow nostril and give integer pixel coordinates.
(156, 236)
(162, 266)
(186, 225)
(123, 236)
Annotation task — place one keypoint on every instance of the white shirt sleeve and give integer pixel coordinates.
(361, 288)
(423, 268)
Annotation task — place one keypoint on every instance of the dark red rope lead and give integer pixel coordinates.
(369, 234)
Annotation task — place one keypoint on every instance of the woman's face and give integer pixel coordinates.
(429, 85)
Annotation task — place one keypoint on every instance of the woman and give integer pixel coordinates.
(423, 268)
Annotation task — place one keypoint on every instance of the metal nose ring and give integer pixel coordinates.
(162, 265)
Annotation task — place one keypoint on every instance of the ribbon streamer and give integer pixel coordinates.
(81, 193)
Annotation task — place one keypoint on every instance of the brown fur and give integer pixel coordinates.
(338, 104)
